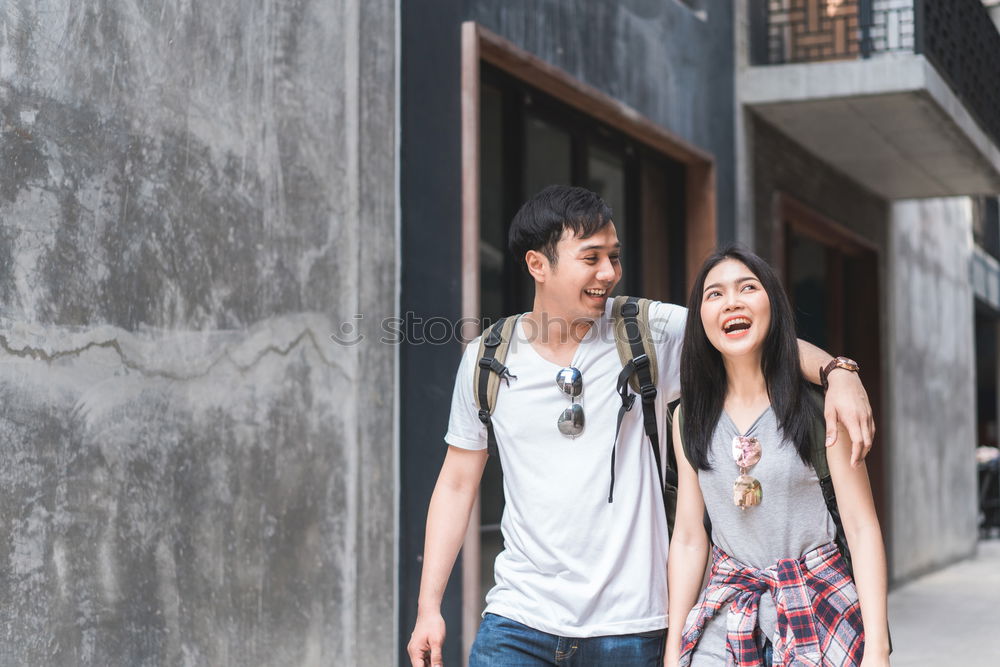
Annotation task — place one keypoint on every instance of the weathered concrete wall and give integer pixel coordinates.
(932, 372)
(192, 196)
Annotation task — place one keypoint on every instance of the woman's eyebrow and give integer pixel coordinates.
(735, 282)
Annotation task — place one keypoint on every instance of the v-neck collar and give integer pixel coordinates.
(753, 424)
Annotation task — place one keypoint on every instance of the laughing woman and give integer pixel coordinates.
(779, 589)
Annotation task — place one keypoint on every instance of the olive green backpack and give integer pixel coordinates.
(634, 340)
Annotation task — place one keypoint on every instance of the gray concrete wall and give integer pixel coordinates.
(932, 372)
(192, 196)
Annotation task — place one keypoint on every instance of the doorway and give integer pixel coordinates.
(831, 275)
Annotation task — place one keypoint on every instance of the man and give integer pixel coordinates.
(582, 579)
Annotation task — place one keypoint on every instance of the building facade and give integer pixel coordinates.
(237, 244)
(857, 118)
(845, 141)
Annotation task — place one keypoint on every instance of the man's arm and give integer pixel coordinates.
(447, 519)
(846, 401)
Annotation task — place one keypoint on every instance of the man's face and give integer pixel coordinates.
(586, 271)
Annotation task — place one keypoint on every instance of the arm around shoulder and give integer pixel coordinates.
(846, 401)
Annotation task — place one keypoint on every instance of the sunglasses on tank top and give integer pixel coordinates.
(746, 489)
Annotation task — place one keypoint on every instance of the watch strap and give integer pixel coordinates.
(836, 362)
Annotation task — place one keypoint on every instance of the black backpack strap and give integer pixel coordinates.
(490, 369)
(631, 328)
(627, 401)
(817, 457)
(818, 452)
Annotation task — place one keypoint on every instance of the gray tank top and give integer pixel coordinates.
(791, 520)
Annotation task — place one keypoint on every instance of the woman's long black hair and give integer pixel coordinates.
(703, 375)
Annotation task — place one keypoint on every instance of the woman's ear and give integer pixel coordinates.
(538, 265)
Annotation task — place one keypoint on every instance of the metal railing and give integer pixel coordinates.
(792, 31)
(957, 36)
(962, 41)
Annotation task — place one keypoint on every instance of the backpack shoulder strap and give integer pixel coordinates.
(818, 458)
(680, 419)
(489, 370)
(630, 319)
(630, 316)
(630, 322)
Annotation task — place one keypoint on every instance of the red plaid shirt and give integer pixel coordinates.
(819, 618)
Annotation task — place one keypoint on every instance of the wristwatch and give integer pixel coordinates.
(837, 362)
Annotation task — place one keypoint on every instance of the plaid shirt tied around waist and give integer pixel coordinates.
(819, 618)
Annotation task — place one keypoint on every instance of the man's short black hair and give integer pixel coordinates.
(540, 223)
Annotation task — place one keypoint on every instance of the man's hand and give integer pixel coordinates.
(447, 520)
(847, 403)
(425, 644)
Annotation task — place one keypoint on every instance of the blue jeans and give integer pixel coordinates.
(502, 642)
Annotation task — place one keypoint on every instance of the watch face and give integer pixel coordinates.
(848, 364)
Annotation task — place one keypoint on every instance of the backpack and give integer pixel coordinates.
(817, 459)
(634, 341)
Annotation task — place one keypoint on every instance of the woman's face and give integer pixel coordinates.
(735, 309)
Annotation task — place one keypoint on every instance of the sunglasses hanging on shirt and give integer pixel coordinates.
(746, 489)
(570, 382)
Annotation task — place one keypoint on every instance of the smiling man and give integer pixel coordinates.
(581, 579)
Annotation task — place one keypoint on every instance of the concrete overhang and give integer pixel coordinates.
(891, 123)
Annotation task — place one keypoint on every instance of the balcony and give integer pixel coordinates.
(901, 95)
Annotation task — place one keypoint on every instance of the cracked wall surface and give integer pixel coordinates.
(193, 196)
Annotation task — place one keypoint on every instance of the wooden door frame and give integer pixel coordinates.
(800, 217)
(795, 216)
(791, 214)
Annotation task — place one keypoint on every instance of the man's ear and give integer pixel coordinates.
(538, 265)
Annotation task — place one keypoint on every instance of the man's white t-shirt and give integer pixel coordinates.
(573, 564)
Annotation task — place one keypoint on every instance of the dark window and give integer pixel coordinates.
(986, 224)
(832, 279)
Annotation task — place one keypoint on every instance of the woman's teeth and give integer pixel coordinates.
(736, 324)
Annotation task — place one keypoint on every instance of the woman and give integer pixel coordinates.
(779, 589)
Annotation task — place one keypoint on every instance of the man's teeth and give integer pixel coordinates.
(596, 292)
